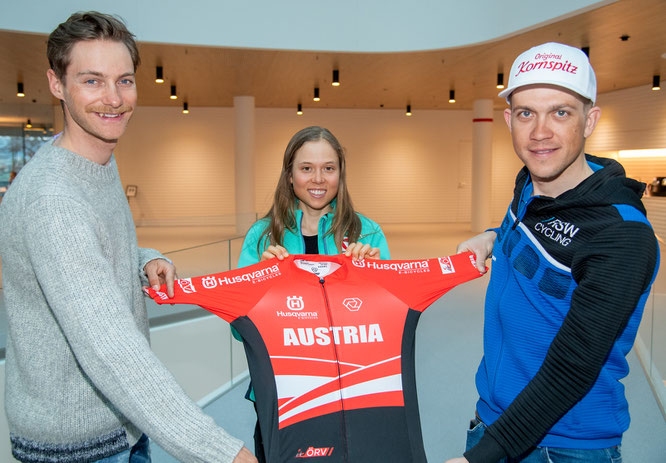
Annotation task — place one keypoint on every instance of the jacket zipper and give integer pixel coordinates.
(321, 234)
(300, 234)
(520, 213)
(343, 421)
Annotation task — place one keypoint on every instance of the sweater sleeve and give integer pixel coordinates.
(612, 273)
(65, 248)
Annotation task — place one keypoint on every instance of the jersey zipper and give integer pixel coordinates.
(343, 421)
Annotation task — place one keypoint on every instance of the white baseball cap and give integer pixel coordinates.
(555, 64)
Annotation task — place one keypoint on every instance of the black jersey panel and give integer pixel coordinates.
(374, 435)
(411, 410)
(263, 382)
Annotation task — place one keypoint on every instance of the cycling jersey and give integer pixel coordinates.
(330, 348)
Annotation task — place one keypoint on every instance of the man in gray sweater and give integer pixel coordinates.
(81, 381)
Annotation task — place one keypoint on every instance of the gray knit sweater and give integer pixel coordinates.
(81, 380)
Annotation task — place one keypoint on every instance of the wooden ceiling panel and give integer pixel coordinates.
(212, 76)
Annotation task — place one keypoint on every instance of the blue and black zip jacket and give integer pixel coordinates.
(569, 281)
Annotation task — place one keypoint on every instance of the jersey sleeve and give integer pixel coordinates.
(228, 295)
(419, 283)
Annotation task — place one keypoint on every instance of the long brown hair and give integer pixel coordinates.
(282, 214)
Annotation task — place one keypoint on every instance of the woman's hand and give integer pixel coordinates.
(274, 251)
(482, 247)
(359, 251)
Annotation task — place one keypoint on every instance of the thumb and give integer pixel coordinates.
(153, 280)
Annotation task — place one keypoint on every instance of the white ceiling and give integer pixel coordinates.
(310, 25)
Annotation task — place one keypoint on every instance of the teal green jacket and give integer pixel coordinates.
(293, 242)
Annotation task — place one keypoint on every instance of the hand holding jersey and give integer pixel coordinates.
(160, 272)
(482, 247)
(355, 250)
(274, 251)
(359, 251)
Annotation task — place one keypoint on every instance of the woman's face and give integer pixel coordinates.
(315, 175)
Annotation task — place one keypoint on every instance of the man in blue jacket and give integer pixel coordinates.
(573, 262)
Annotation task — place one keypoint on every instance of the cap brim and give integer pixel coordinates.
(507, 92)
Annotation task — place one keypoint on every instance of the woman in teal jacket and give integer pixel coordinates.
(312, 213)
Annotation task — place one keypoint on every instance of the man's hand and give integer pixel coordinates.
(274, 251)
(457, 460)
(359, 251)
(482, 247)
(245, 456)
(159, 272)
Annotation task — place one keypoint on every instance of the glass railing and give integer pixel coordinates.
(204, 259)
(228, 364)
(651, 341)
(222, 255)
(193, 325)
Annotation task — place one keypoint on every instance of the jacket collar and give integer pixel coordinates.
(607, 185)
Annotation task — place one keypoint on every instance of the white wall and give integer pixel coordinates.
(633, 118)
(182, 164)
(400, 169)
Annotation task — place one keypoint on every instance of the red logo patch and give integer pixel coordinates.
(315, 452)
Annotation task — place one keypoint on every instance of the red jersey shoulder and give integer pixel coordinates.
(233, 280)
(440, 266)
(246, 276)
(251, 275)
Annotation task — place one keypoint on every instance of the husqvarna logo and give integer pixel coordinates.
(209, 282)
(359, 263)
(295, 303)
(352, 303)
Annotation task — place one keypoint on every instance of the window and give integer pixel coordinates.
(17, 146)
